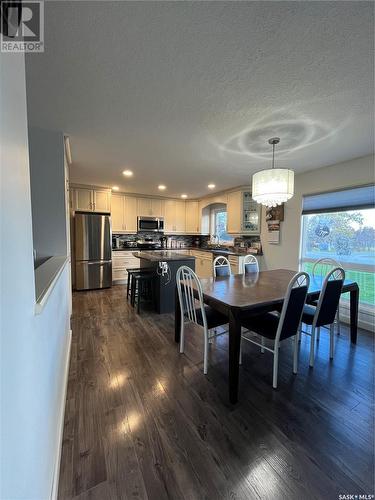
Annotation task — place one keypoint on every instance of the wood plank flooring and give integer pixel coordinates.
(143, 422)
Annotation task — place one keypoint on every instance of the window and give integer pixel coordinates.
(347, 237)
(220, 226)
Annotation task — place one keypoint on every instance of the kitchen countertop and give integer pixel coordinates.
(215, 251)
(161, 255)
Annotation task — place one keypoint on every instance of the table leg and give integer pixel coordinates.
(234, 353)
(354, 300)
(177, 317)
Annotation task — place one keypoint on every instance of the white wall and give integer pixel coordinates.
(342, 175)
(33, 348)
(46, 158)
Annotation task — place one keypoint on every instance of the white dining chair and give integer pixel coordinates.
(278, 327)
(321, 267)
(195, 311)
(221, 266)
(250, 264)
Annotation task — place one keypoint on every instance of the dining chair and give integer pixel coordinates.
(320, 268)
(250, 264)
(195, 311)
(278, 327)
(221, 266)
(324, 313)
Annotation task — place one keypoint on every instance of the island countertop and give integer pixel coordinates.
(162, 256)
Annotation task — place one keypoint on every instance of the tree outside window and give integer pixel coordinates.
(221, 226)
(347, 237)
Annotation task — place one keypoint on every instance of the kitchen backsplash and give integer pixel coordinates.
(181, 241)
(175, 241)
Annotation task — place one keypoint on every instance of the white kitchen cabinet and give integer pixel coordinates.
(157, 207)
(117, 213)
(130, 214)
(174, 216)
(122, 260)
(150, 207)
(144, 206)
(192, 217)
(180, 223)
(101, 200)
(203, 263)
(92, 200)
(82, 199)
(234, 212)
(244, 214)
(124, 214)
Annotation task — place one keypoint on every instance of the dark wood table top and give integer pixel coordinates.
(251, 291)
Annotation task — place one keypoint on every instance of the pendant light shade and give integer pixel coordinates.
(273, 186)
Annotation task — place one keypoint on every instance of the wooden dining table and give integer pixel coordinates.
(243, 295)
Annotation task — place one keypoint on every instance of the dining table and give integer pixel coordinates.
(240, 296)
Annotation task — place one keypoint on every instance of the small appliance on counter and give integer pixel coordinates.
(116, 242)
(148, 244)
(164, 242)
(129, 244)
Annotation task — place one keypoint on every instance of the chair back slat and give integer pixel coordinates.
(221, 266)
(186, 280)
(250, 264)
(322, 266)
(329, 297)
(292, 309)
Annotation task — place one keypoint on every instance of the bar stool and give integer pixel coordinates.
(142, 288)
(131, 271)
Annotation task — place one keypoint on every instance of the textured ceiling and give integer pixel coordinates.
(187, 93)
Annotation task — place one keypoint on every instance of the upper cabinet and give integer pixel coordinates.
(243, 213)
(192, 217)
(174, 216)
(91, 200)
(234, 212)
(124, 214)
(153, 207)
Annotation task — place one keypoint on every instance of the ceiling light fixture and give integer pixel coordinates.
(115, 188)
(211, 186)
(184, 196)
(273, 186)
(162, 187)
(127, 173)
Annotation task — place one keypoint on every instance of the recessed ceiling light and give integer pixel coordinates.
(211, 186)
(184, 196)
(162, 187)
(127, 173)
(115, 188)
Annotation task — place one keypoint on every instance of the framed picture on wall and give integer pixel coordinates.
(275, 213)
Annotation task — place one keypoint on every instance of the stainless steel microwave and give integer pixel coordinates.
(151, 224)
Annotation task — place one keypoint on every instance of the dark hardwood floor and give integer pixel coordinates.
(142, 421)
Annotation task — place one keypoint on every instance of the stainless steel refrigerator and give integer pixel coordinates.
(93, 250)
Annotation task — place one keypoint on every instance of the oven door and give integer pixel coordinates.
(148, 224)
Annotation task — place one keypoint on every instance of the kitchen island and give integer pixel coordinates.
(165, 264)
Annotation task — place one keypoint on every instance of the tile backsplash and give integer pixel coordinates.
(182, 241)
(174, 241)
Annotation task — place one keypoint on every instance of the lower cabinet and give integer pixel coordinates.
(203, 263)
(122, 260)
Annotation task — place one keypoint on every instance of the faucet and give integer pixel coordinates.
(215, 239)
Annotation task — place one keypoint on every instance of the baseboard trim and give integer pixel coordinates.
(56, 472)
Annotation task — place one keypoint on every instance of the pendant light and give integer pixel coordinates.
(273, 186)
